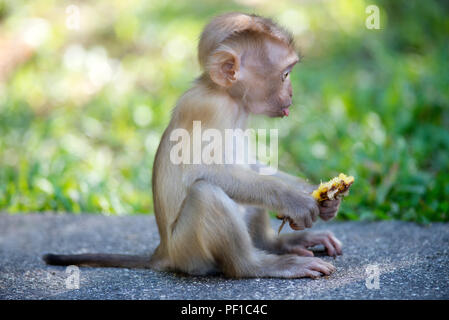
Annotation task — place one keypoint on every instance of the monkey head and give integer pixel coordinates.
(250, 58)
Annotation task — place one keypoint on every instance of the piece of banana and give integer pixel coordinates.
(333, 189)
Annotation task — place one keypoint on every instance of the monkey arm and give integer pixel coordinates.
(293, 181)
(296, 182)
(248, 187)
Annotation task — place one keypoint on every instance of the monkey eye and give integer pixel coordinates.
(285, 75)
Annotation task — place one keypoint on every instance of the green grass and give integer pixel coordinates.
(371, 103)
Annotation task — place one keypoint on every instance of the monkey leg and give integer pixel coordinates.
(264, 237)
(210, 235)
(259, 227)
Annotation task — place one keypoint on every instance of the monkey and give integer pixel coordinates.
(214, 218)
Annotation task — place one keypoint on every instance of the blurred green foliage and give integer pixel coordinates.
(82, 109)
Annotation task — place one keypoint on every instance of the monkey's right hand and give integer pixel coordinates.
(299, 209)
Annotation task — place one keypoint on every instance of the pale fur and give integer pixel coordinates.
(213, 218)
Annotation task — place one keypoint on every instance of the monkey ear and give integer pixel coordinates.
(224, 68)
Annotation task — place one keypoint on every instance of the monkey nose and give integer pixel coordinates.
(287, 104)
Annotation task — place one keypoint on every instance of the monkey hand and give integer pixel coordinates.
(299, 243)
(299, 209)
(329, 208)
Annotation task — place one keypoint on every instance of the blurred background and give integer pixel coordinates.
(86, 90)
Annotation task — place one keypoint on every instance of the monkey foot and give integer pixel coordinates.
(307, 267)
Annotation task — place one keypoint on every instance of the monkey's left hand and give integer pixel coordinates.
(329, 208)
(298, 243)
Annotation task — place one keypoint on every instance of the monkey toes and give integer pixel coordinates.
(310, 267)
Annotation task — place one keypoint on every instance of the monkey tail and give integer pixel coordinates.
(99, 260)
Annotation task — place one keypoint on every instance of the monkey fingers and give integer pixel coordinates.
(299, 250)
(328, 213)
(330, 242)
(296, 225)
(300, 224)
(309, 267)
(329, 209)
(293, 225)
(328, 216)
(309, 239)
(330, 203)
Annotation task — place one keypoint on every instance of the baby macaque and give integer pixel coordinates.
(214, 217)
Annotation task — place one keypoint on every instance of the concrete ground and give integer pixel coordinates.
(412, 260)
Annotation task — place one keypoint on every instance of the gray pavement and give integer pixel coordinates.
(413, 262)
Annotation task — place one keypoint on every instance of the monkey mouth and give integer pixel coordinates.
(285, 112)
